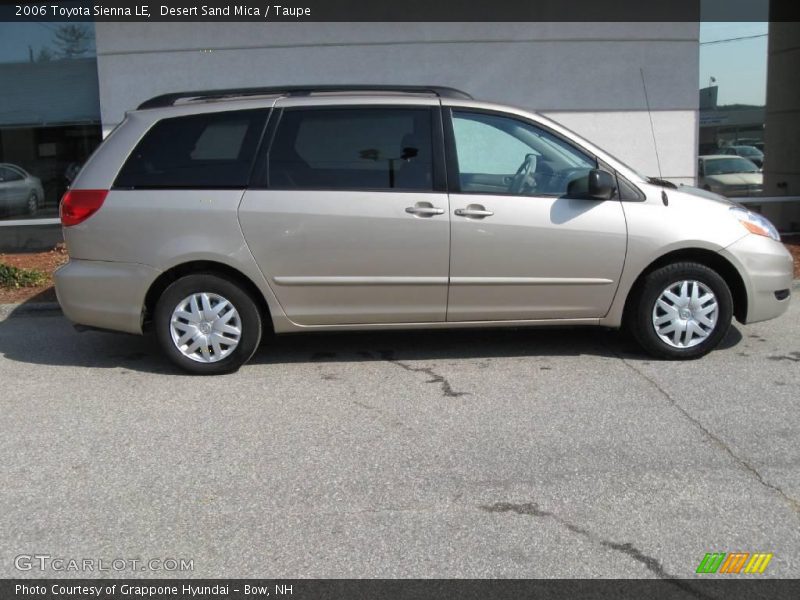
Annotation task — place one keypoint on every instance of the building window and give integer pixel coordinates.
(49, 112)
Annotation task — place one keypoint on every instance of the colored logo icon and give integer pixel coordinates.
(734, 562)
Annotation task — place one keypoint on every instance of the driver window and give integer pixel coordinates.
(501, 155)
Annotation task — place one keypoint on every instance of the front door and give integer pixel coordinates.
(522, 247)
(349, 223)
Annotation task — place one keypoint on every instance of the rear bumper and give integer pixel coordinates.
(107, 295)
(767, 270)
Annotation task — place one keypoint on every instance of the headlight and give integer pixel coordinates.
(755, 223)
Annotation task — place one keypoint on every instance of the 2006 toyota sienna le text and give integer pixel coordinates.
(212, 216)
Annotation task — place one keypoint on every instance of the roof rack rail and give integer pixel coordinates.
(299, 90)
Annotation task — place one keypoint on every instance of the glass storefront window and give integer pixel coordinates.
(733, 89)
(49, 113)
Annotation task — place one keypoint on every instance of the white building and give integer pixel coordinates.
(587, 76)
(584, 75)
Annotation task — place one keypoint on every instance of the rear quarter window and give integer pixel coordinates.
(213, 150)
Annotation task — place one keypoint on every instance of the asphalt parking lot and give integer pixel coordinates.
(503, 453)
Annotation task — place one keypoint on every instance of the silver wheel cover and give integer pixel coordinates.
(685, 314)
(205, 327)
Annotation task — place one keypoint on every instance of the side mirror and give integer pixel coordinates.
(602, 184)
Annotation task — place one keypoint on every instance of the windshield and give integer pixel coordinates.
(748, 151)
(723, 166)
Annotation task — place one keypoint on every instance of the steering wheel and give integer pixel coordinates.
(524, 177)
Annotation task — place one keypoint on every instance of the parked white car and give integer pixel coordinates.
(731, 176)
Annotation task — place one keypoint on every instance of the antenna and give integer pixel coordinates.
(661, 181)
(652, 128)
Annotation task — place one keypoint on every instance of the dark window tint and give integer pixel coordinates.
(213, 150)
(749, 151)
(627, 191)
(8, 174)
(351, 149)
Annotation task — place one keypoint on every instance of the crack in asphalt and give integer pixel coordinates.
(651, 563)
(390, 418)
(447, 388)
(741, 462)
(533, 509)
(792, 356)
(362, 405)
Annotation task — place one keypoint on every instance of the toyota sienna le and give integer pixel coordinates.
(213, 216)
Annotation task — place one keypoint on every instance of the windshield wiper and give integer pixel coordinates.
(662, 182)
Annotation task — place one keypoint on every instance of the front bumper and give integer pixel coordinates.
(106, 295)
(767, 269)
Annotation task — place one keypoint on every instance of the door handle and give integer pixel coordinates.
(424, 211)
(474, 210)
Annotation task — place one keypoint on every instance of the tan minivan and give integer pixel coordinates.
(210, 216)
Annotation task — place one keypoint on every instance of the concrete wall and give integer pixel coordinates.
(585, 75)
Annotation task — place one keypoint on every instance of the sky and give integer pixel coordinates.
(15, 38)
(739, 66)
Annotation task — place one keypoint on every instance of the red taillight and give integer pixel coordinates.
(79, 205)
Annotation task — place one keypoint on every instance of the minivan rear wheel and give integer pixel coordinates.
(207, 324)
(682, 311)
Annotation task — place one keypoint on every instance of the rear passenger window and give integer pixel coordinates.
(213, 150)
(352, 149)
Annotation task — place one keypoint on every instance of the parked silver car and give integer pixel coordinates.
(211, 216)
(730, 176)
(751, 153)
(20, 192)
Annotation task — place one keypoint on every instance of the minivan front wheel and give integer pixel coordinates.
(207, 324)
(683, 311)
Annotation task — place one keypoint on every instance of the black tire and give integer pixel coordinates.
(245, 305)
(640, 317)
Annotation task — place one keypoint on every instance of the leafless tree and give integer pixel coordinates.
(72, 41)
(45, 55)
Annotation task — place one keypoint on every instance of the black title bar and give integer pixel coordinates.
(704, 588)
(401, 10)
